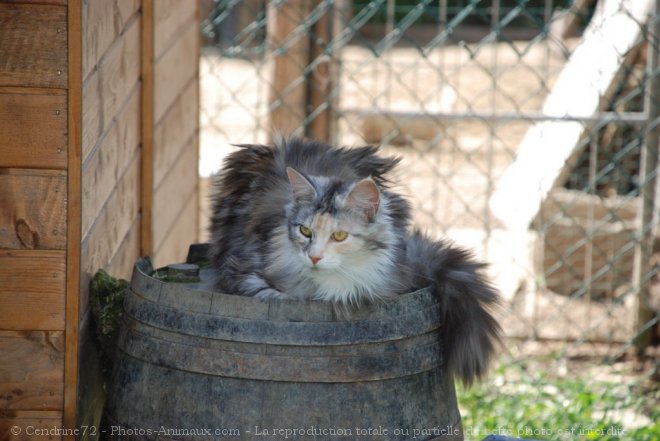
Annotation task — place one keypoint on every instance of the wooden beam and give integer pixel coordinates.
(147, 182)
(322, 95)
(74, 34)
(588, 76)
(291, 53)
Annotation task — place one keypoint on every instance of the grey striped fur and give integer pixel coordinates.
(265, 193)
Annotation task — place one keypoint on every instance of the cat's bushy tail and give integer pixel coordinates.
(470, 331)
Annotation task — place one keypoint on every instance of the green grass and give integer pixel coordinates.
(574, 406)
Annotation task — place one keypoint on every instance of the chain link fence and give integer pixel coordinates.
(528, 132)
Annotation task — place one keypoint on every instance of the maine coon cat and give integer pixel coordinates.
(302, 219)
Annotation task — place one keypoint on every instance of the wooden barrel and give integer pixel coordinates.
(197, 364)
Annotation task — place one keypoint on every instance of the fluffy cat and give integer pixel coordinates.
(303, 219)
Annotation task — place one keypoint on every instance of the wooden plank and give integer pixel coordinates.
(33, 130)
(31, 368)
(33, 214)
(588, 76)
(107, 90)
(171, 17)
(147, 127)
(114, 221)
(102, 170)
(34, 45)
(103, 21)
(33, 289)
(74, 207)
(184, 232)
(174, 194)
(26, 425)
(174, 130)
(174, 70)
(288, 92)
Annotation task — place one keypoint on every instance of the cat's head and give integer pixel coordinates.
(338, 228)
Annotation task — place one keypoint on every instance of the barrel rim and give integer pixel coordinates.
(204, 300)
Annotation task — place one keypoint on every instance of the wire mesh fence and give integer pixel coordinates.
(527, 128)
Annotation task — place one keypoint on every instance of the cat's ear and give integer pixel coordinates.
(301, 188)
(365, 198)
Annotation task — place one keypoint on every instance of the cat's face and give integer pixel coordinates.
(333, 224)
(327, 241)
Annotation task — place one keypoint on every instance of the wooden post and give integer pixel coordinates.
(304, 73)
(147, 127)
(290, 51)
(322, 95)
(74, 233)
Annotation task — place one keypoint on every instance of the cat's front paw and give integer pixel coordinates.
(270, 293)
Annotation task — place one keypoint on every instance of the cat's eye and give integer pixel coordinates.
(305, 231)
(339, 236)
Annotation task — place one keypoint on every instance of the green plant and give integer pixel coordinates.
(575, 406)
(107, 297)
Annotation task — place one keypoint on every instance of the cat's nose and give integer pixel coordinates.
(315, 259)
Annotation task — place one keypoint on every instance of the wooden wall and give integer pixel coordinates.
(33, 214)
(98, 134)
(175, 129)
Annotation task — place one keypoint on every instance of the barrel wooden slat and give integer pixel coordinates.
(134, 326)
(280, 332)
(328, 368)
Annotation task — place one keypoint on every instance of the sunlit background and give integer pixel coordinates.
(528, 133)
